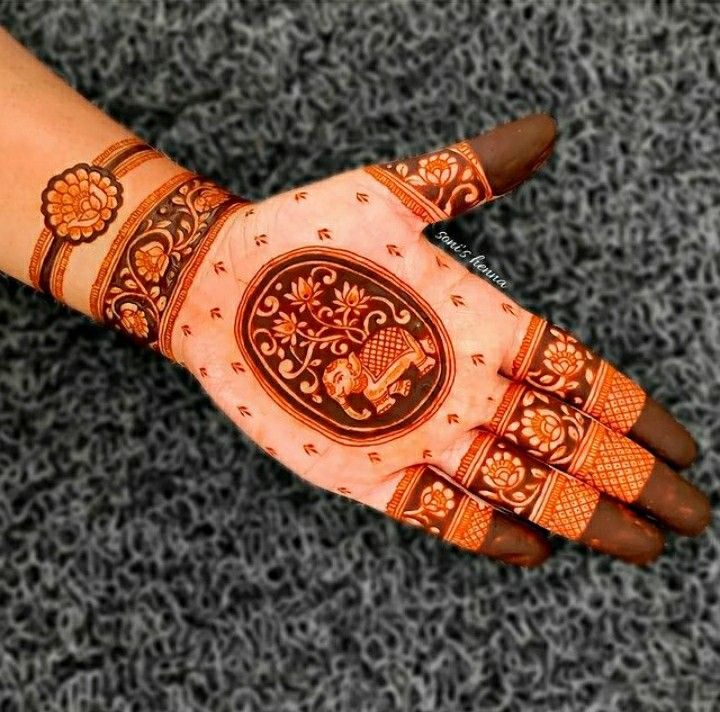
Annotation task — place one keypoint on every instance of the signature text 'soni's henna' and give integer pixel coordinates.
(344, 346)
(80, 204)
(145, 277)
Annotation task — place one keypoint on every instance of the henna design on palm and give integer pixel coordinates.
(344, 346)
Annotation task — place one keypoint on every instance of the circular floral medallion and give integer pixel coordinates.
(80, 203)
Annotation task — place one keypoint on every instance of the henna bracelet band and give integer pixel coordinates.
(146, 275)
(78, 205)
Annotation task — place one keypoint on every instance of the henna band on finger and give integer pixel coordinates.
(437, 186)
(147, 273)
(565, 437)
(426, 499)
(504, 474)
(553, 360)
(78, 205)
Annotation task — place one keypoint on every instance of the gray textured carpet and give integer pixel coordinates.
(151, 560)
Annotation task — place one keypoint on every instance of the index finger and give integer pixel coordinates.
(554, 360)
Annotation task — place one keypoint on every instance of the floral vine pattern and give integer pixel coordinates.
(344, 345)
(145, 276)
(502, 473)
(78, 206)
(553, 360)
(425, 499)
(560, 435)
(437, 186)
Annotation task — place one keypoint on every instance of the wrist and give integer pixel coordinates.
(122, 237)
(145, 275)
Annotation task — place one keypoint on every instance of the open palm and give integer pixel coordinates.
(373, 364)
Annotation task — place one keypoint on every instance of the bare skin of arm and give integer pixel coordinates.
(327, 327)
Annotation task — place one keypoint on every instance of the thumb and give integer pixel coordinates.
(446, 183)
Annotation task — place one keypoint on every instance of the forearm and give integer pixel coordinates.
(78, 191)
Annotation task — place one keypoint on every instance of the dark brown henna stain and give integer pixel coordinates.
(511, 153)
(147, 273)
(344, 346)
(506, 475)
(657, 429)
(617, 531)
(425, 498)
(675, 501)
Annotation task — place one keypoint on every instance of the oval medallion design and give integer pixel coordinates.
(343, 345)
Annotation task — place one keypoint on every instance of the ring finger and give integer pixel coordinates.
(505, 475)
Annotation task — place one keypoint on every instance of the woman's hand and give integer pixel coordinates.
(331, 331)
(373, 364)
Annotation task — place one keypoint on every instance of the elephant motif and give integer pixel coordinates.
(376, 370)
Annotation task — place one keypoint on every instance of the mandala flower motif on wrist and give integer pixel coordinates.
(80, 203)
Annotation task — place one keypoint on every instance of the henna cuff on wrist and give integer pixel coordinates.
(78, 205)
(146, 275)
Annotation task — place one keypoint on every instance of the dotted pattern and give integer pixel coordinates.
(151, 559)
